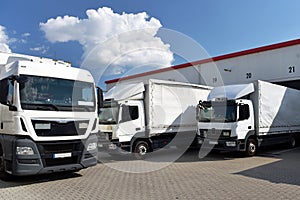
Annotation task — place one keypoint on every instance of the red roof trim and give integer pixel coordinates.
(217, 58)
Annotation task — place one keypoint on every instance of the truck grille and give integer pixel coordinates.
(49, 149)
(214, 134)
(55, 128)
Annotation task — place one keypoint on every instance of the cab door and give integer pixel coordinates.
(7, 107)
(131, 120)
(245, 120)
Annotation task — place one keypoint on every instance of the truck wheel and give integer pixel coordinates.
(251, 147)
(3, 174)
(141, 149)
(292, 143)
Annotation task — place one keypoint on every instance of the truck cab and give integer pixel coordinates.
(122, 117)
(48, 120)
(226, 123)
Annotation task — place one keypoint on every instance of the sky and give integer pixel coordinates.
(116, 38)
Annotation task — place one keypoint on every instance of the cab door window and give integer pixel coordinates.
(129, 113)
(7, 91)
(10, 95)
(244, 112)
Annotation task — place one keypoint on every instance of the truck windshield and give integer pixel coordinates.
(45, 93)
(108, 115)
(218, 112)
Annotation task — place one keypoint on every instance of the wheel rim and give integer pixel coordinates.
(1, 163)
(293, 142)
(142, 150)
(252, 148)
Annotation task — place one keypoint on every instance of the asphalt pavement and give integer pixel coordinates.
(272, 174)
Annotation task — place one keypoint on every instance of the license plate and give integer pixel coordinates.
(62, 155)
(42, 126)
(213, 142)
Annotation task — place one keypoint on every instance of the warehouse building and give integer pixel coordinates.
(277, 63)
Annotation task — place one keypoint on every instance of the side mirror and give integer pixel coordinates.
(4, 88)
(197, 112)
(12, 108)
(21, 79)
(99, 97)
(4, 95)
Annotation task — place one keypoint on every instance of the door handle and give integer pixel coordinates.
(138, 129)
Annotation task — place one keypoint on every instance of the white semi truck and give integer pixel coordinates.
(48, 116)
(140, 118)
(244, 117)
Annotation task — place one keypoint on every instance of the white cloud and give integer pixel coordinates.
(122, 41)
(43, 49)
(4, 40)
(26, 34)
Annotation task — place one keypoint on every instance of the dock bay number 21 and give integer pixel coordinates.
(292, 69)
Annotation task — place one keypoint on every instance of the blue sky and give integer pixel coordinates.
(220, 27)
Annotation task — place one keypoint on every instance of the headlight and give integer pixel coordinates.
(25, 151)
(91, 146)
(83, 125)
(226, 133)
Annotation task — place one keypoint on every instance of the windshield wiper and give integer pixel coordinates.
(107, 122)
(205, 120)
(40, 106)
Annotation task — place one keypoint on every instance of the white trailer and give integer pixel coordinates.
(48, 116)
(244, 117)
(141, 117)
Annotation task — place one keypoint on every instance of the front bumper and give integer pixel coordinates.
(54, 156)
(222, 144)
(104, 140)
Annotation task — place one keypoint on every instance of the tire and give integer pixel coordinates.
(141, 149)
(293, 142)
(251, 148)
(3, 174)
